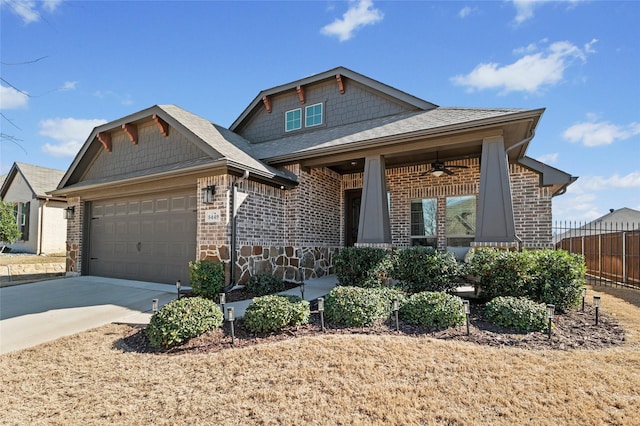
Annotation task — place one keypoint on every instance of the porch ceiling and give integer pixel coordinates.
(425, 150)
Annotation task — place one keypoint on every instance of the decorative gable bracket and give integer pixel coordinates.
(340, 84)
(300, 91)
(132, 131)
(267, 103)
(105, 140)
(162, 125)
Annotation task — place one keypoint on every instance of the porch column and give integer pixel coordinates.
(495, 225)
(374, 229)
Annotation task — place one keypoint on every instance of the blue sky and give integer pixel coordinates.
(68, 66)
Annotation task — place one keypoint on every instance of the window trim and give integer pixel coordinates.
(286, 120)
(306, 115)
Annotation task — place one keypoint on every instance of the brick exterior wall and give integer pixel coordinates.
(358, 103)
(74, 237)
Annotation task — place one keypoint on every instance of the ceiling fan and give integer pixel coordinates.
(438, 168)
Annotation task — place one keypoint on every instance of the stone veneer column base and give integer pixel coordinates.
(387, 246)
(499, 245)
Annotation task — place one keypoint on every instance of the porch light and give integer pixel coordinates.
(321, 310)
(70, 212)
(208, 193)
(596, 303)
(437, 173)
(550, 312)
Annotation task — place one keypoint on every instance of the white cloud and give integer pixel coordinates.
(530, 73)
(548, 158)
(524, 10)
(28, 9)
(69, 132)
(467, 11)
(11, 98)
(359, 14)
(592, 133)
(68, 85)
(601, 183)
(123, 99)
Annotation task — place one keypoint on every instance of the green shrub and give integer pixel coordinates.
(558, 278)
(207, 278)
(355, 306)
(545, 276)
(503, 273)
(271, 313)
(421, 269)
(356, 266)
(433, 309)
(181, 320)
(264, 284)
(387, 294)
(519, 313)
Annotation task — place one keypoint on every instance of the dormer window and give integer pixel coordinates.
(293, 120)
(313, 115)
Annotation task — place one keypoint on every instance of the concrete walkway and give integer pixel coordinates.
(43, 311)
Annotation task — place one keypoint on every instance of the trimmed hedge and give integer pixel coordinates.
(264, 284)
(207, 278)
(519, 313)
(274, 312)
(433, 309)
(356, 306)
(421, 269)
(357, 266)
(545, 276)
(181, 320)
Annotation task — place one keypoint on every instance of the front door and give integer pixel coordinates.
(352, 200)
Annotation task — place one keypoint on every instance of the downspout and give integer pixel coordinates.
(522, 142)
(41, 225)
(234, 230)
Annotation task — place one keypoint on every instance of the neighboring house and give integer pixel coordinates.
(328, 161)
(39, 216)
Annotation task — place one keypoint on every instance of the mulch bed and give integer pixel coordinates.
(573, 330)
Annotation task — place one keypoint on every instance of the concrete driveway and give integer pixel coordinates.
(39, 312)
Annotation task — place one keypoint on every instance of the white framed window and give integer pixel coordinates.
(313, 115)
(424, 222)
(293, 120)
(461, 220)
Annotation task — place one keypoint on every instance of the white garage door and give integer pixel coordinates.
(149, 238)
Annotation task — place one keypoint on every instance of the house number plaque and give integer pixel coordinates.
(212, 216)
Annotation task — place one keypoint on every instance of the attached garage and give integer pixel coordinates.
(148, 238)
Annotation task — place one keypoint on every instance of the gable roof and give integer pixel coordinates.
(362, 134)
(387, 90)
(220, 147)
(39, 179)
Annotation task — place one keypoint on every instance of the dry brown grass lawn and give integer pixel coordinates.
(337, 379)
(14, 259)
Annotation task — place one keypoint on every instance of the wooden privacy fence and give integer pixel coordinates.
(611, 250)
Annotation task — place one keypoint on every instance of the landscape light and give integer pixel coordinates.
(154, 305)
(321, 310)
(223, 300)
(231, 318)
(550, 312)
(396, 308)
(584, 295)
(596, 303)
(467, 311)
(178, 285)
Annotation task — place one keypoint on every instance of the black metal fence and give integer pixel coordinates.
(611, 250)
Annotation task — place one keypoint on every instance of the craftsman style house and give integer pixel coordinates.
(39, 216)
(332, 160)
